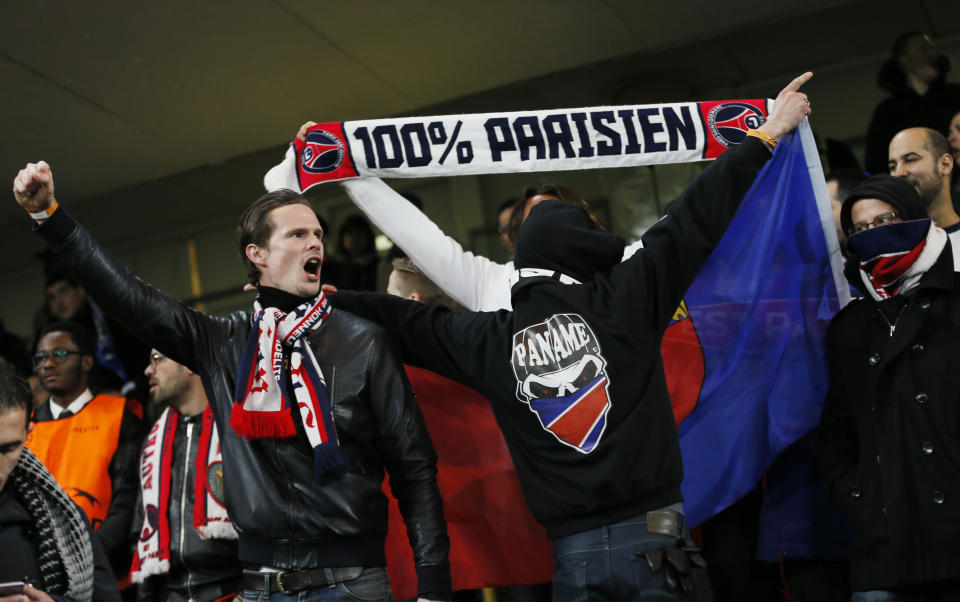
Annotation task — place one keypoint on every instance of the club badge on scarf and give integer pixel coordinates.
(152, 554)
(523, 141)
(261, 408)
(894, 257)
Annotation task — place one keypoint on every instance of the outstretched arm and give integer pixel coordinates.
(431, 336)
(677, 246)
(475, 282)
(157, 319)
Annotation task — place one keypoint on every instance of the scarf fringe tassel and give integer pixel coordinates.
(261, 425)
(150, 568)
(217, 529)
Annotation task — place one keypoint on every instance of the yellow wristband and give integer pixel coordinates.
(46, 212)
(763, 136)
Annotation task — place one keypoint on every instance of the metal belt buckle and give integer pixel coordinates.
(663, 522)
(280, 587)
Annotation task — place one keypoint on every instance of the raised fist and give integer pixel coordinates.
(33, 187)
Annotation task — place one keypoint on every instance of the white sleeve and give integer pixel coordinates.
(473, 281)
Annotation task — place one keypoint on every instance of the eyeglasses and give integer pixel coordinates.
(155, 358)
(881, 220)
(57, 355)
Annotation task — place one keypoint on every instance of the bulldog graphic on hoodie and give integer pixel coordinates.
(561, 375)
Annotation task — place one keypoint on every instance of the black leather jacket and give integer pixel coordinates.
(200, 569)
(285, 516)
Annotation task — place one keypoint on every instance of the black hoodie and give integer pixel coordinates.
(574, 372)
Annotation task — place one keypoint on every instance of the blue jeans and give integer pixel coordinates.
(372, 584)
(603, 564)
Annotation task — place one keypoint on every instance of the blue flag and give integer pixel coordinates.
(760, 309)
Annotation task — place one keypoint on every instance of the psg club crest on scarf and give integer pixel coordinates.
(323, 156)
(323, 152)
(728, 122)
(562, 375)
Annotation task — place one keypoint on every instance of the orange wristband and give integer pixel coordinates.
(763, 136)
(46, 212)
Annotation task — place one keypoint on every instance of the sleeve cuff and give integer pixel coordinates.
(433, 581)
(56, 229)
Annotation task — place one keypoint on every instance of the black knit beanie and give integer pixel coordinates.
(898, 192)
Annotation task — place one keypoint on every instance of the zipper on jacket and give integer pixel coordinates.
(183, 505)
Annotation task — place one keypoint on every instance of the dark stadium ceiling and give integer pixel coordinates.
(116, 92)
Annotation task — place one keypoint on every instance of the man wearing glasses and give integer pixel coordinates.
(888, 434)
(186, 547)
(90, 444)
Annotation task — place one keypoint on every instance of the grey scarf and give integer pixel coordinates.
(64, 549)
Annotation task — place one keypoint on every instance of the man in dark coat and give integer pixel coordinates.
(888, 437)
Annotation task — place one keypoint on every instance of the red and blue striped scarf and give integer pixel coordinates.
(261, 408)
(894, 257)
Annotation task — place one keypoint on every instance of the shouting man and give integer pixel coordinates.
(311, 405)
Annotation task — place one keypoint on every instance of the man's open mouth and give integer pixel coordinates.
(312, 267)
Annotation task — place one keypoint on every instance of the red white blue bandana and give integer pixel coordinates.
(894, 257)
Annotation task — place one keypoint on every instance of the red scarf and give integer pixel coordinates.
(152, 555)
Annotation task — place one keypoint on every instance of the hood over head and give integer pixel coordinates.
(563, 237)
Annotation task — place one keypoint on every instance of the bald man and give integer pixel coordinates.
(923, 157)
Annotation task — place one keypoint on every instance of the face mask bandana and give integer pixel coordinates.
(894, 257)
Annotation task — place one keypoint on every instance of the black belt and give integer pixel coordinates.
(288, 582)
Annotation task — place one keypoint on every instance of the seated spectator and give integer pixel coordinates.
(915, 75)
(354, 265)
(887, 436)
(45, 540)
(90, 444)
(182, 458)
(119, 355)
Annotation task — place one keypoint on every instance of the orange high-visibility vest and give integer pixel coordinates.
(77, 452)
